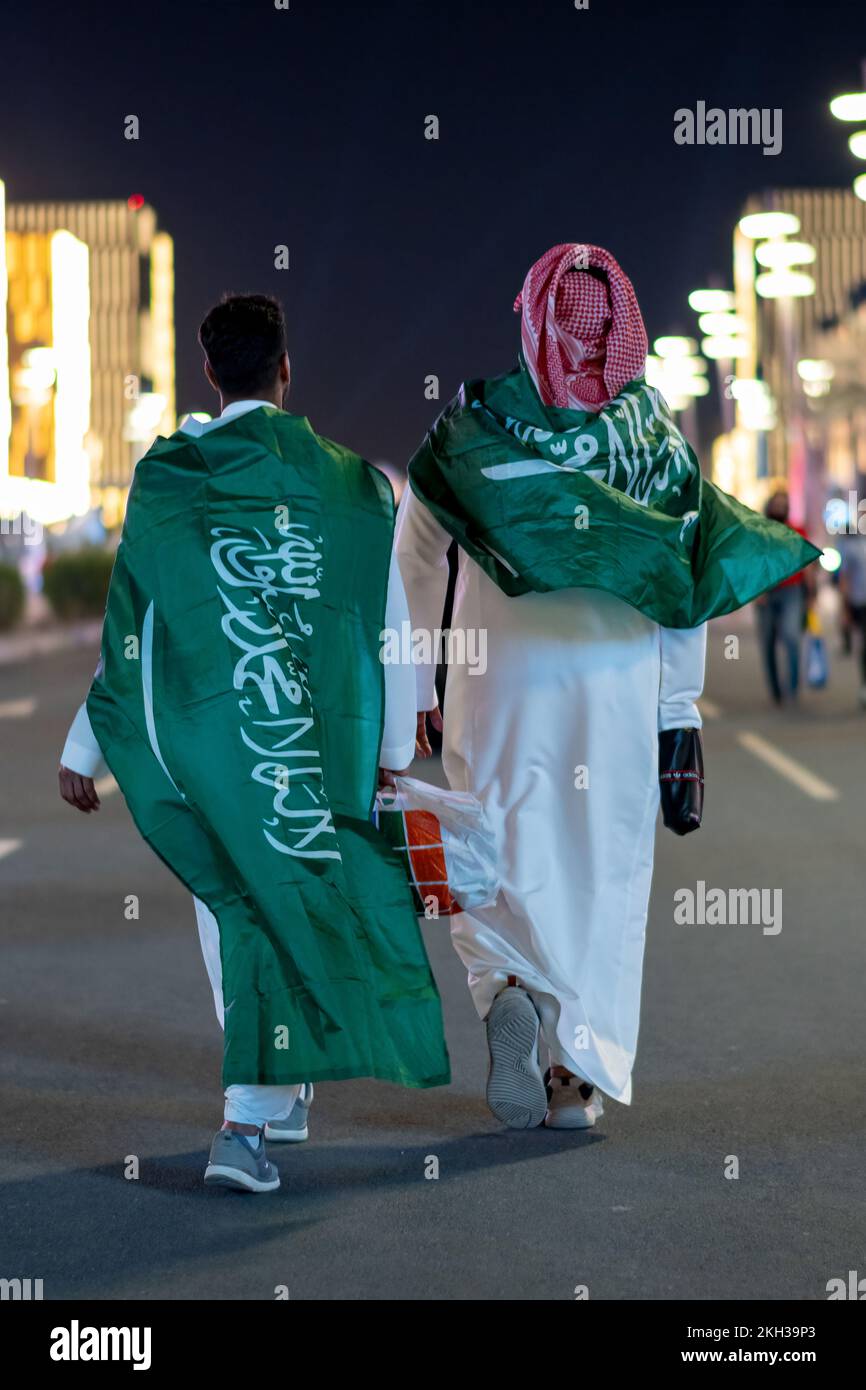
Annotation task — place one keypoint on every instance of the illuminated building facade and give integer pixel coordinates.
(130, 346)
(838, 413)
(45, 364)
(784, 333)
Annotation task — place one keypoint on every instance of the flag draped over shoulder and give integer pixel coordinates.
(240, 707)
(547, 498)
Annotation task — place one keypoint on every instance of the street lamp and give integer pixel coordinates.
(726, 338)
(675, 346)
(676, 371)
(721, 347)
(850, 107)
(757, 406)
(816, 374)
(784, 284)
(815, 369)
(757, 226)
(781, 254)
(686, 366)
(711, 301)
(724, 325)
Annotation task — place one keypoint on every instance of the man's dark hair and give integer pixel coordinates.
(244, 337)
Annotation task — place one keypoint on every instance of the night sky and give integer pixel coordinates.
(306, 127)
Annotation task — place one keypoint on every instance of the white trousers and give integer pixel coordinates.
(244, 1105)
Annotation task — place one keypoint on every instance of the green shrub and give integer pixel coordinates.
(76, 585)
(11, 597)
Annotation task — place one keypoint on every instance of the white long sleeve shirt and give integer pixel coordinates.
(82, 754)
(681, 680)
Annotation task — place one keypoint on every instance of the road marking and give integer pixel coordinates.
(709, 709)
(813, 786)
(105, 786)
(17, 709)
(8, 847)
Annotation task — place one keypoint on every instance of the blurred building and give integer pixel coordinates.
(45, 366)
(837, 405)
(806, 429)
(125, 370)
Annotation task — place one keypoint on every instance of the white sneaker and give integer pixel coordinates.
(571, 1103)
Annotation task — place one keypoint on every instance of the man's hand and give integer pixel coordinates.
(387, 775)
(77, 790)
(422, 742)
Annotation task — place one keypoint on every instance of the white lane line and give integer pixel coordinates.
(105, 786)
(8, 847)
(813, 786)
(709, 709)
(17, 709)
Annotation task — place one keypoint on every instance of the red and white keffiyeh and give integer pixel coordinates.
(582, 332)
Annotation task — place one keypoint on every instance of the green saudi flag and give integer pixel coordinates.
(240, 706)
(545, 498)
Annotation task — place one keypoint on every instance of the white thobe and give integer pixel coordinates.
(82, 754)
(558, 738)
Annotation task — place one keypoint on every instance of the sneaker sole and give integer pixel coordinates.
(218, 1175)
(579, 1123)
(515, 1089)
(286, 1136)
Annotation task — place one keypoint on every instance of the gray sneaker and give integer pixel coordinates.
(234, 1162)
(515, 1088)
(294, 1129)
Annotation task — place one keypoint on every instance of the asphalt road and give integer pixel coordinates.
(752, 1047)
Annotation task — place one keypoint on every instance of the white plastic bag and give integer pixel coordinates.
(467, 839)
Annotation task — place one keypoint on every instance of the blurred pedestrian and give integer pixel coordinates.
(782, 614)
(852, 587)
